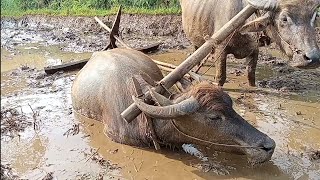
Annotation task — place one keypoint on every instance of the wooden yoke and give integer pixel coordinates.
(168, 81)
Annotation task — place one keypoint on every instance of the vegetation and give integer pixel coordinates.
(87, 7)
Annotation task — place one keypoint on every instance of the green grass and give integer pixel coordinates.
(91, 12)
(18, 8)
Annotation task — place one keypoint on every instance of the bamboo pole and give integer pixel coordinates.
(109, 30)
(168, 81)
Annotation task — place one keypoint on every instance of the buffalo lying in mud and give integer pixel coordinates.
(289, 23)
(202, 115)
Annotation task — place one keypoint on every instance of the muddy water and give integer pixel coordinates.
(37, 56)
(292, 122)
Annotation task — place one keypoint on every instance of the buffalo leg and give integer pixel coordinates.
(251, 67)
(221, 67)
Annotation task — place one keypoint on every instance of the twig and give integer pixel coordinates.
(93, 154)
(67, 132)
(140, 165)
(34, 116)
(9, 109)
(135, 167)
(74, 130)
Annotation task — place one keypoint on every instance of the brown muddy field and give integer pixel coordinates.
(43, 138)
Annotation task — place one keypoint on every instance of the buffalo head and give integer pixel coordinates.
(205, 113)
(291, 24)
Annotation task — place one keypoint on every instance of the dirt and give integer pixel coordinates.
(12, 121)
(83, 34)
(284, 80)
(46, 139)
(7, 173)
(315, 155)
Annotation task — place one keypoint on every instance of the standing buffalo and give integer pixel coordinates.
(289, 23)
(104, 88)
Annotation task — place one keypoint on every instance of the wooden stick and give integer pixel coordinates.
(164, 68)
(109, 30)
(133, 111)
(146, 49)
(149, 48)
(70, 66)
(168, 69)
(165, 64)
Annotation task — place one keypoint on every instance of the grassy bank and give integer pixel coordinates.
(18, 8)
(90, 12)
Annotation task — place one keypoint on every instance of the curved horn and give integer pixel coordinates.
(183, 108)
(163, 101)
(269, 5)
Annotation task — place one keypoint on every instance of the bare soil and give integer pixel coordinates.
(83, 34)
(7, 173)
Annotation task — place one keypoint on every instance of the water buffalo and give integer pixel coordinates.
(289, 23)
(104, 88)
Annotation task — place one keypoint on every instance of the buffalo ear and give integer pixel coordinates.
(257, 25)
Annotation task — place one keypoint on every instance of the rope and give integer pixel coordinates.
(290, 46)
(212, 143)
(230, 37)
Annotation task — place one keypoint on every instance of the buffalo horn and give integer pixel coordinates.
(163, 101)
(183, 108)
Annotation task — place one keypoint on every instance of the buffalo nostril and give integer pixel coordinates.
(313, 55)
(298, 51)
(268, 149)
(268, 146)
(306, 57)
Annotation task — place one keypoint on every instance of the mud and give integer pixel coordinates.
(7, 172)
(61, 144)
(314, 155)
(45, 102)
(12, 121)
(284, 80)
(83, 34)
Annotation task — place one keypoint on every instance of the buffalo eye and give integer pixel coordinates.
(214, 117)
(284, 19)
